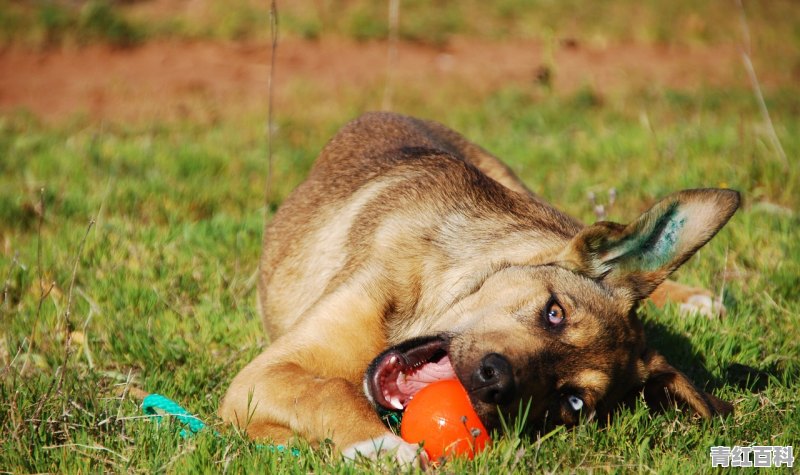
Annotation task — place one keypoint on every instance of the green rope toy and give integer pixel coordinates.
(158, 406)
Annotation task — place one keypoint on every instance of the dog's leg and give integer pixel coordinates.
(275, 399)
(308, 382)
(273, 432)
(692, 300)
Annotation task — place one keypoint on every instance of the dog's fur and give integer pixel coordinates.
(403, 230)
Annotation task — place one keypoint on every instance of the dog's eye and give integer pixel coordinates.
(555, 313)
(575, 403)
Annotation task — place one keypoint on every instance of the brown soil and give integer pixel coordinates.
(168, 80)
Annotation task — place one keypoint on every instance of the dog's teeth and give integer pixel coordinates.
(393, 360)
(395, 402)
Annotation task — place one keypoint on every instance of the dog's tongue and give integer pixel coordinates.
(409, 384)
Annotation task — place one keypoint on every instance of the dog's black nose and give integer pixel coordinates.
(493, 380)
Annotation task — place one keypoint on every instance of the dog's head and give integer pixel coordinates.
(564, 337)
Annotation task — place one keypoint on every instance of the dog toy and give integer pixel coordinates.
(153, 403)
(441, 417)
(157, 406)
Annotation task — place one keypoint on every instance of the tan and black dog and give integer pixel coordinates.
(411, 255)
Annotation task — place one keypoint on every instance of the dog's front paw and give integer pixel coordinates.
(388, 445)
(702, 304)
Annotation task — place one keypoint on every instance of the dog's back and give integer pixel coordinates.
(376, 164)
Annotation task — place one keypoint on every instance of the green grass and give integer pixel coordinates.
(163, 296)
(51, 23)
(679, 22)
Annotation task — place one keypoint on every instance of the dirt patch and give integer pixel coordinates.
(169, 80)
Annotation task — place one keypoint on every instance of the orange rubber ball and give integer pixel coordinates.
(441, 417)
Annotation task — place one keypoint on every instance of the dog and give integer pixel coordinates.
(411, 255)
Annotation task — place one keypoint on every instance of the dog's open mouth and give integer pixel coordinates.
(396, 375)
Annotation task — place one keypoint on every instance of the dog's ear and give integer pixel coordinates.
(638, 257)
(665, 386)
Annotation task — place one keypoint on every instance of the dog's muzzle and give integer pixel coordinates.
(492, 381)
(397, 374)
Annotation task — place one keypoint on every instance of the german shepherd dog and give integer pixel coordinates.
(411, 255)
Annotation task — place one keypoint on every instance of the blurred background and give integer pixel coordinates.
(144, 60)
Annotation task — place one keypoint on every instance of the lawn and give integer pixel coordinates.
(128, 254)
